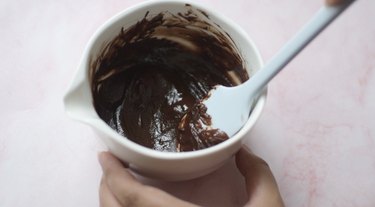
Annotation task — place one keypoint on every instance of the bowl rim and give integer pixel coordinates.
(112, 134)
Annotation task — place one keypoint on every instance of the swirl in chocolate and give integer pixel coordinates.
(148, 83)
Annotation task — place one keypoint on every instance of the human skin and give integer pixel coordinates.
(119, 188)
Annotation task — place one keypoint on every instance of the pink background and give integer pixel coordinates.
(317, 131)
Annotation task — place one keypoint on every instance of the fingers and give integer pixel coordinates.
(119, 181)
(120, 186)
(106, 198)
(260, 183)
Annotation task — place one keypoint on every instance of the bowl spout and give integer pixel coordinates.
(78, 102)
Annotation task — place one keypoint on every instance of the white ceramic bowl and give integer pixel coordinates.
(148, 162)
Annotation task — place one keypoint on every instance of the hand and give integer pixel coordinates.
(119, 188)
(334, 2)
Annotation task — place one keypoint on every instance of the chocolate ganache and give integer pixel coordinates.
(148, 83)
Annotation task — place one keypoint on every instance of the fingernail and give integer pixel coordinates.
(101, 158)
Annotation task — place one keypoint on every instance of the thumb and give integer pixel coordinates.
(260, 184)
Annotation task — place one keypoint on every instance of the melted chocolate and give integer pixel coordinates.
(149, 82)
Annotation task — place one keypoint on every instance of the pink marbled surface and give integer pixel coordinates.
(317, 131)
